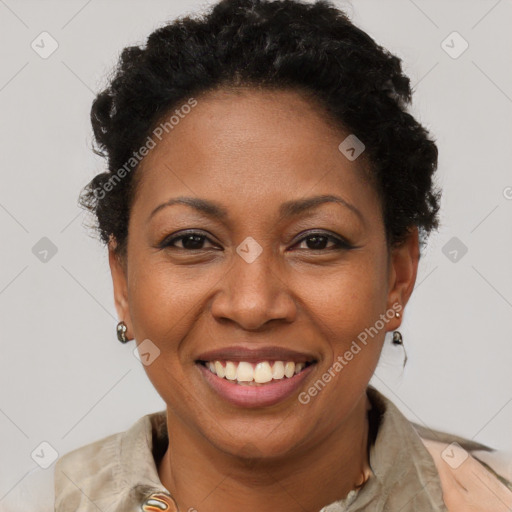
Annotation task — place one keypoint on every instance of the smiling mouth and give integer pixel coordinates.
(255, 374)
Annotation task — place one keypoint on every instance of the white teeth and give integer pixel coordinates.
(245, 372)
(230, 371)
(219, 369)
(299, 367)
(260, 373)
(278, 370)
(289, 369)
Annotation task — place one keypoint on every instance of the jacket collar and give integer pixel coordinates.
(404, 476)
(119, 473)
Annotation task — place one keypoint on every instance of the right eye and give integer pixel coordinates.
(190, 241)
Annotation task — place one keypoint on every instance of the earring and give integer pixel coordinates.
(397, 335)
(397, 338)
(121, 332)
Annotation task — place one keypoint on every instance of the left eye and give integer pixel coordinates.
(318, 241)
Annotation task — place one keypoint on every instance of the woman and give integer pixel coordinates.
(266, 200)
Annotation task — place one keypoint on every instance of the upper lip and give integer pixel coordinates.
(253, 355)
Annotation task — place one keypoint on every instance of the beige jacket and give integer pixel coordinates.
(413, 469)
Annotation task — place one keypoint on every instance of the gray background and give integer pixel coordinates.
(64, 378)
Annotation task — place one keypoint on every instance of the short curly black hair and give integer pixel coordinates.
(282, 44)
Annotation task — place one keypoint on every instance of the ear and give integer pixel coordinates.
(403, 269)
(120, 284)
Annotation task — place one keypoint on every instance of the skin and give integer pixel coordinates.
(250, 151)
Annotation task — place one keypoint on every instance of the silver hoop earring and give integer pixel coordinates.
(121, 332)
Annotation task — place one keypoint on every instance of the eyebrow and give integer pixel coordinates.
(287, 209)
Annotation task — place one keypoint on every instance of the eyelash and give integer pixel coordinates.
(340, 244)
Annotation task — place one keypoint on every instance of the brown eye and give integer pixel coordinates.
(319, 241)
(190, 241)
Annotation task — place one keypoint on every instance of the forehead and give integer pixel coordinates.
(251, 149)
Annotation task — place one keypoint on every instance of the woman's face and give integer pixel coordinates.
(263, 281)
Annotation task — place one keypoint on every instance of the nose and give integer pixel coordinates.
(253, 294)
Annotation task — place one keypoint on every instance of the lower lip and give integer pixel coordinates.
(254, 396)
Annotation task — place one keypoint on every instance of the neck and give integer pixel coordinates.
(209, 481)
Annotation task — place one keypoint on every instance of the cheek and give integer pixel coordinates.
(346, 316)
(168, 305)
(347, 310)
(348, 299)
(164, 306)
(161, 294)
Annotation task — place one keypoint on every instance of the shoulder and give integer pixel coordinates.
(101, 449)
(473, 477)
(87, 459)
(34, 492)
(101, 471)
(89, 467)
